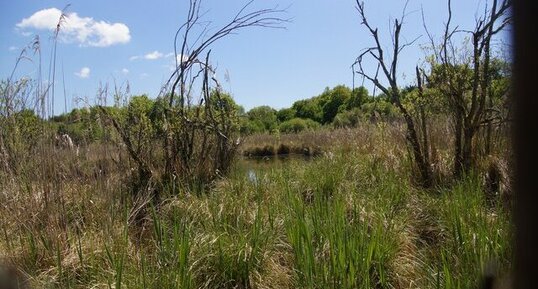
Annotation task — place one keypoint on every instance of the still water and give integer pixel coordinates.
(256, 168)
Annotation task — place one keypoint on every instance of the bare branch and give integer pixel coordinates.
(267, 18)
(392, 91)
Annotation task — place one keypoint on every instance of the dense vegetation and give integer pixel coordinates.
(339, 106)
(406, 188)
(361, 223)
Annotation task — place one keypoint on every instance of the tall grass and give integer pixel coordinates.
(349, 219)
(479, 236)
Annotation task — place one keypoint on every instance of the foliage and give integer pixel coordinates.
(320, 109)
(137, 125)
(374, 110)
(308, 109)
(348, 218)
(296, 125)
(21, 130)
(156, 116)
(285, 114)
(268, 224)
(249, 127)
(28, 125)
(359, 96)
(331, 101)
(349, 118)
(264, 117)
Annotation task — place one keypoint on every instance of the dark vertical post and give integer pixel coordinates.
(526, 144)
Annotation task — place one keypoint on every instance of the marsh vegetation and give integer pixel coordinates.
(407, 187)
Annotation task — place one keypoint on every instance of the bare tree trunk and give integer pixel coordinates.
(144, 170)
(486, 89)
(467, 153)
(469, 113)
(4, 156)
(389, 69)
(525, 214)
(489, 128)
(458, 144)
(420, 158)
(193, 143)
(425, 136)
(423, 120)
(168, 176)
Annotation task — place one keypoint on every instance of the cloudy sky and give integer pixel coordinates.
(132, 40)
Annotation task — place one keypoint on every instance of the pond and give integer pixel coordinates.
(254, 167)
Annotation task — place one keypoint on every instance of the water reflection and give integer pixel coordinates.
(251, 176)
(255, 168)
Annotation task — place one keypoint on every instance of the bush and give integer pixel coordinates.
(380, 109)
(308, 109)
(249, 127)
(333, 100)
(296, 125)
(349, 118)
(285, 114)
(263, 116)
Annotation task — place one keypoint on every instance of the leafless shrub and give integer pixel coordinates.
(466, 80)
(389, 69)
(199, 122)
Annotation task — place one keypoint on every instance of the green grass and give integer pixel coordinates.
(478, 235)
(350, 219)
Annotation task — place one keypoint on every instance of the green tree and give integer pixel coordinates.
(359, 96)
(348, 118)
(297, 125)
(308, 108)
(332, 101)
(264, 115)
(249, 127)
(28, 125)
(285, 114)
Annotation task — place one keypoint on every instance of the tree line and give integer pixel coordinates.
(197, 125)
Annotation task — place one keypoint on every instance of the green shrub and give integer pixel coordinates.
(249, 127)
(263, 116)
(297, 125)
(285, 114)
(350, 118)
(380, 109)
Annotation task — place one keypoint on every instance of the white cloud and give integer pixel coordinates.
(153, 55)
(144, 75)
(150, 56)
(13, 48)
(181, 58)
(83, 73)
(84, 30)
(110, 34)
(125, 71)
(42, 19)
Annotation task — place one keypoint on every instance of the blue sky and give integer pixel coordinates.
(131, 40)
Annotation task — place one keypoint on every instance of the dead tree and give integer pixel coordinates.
(422, 118)
(202, 136)
(392, 90)
(197, 133)
(466, 83)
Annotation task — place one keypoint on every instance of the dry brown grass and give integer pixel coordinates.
(67, 219)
